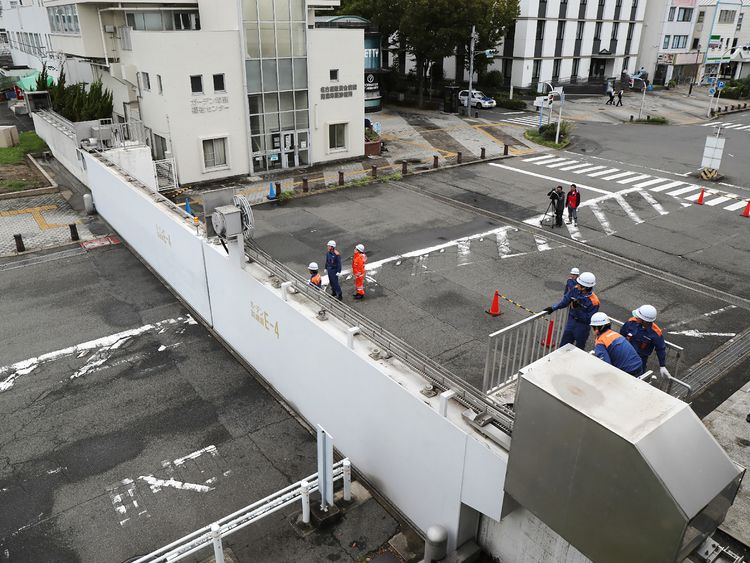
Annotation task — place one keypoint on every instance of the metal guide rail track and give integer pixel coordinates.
(438, 376)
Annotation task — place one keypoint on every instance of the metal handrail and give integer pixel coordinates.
(437, 375)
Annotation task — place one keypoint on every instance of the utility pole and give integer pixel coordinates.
(643, 101)
(472, 41)
(559, 117)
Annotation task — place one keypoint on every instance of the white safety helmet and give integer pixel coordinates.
(599, 319)
(574, 271)
(332, 243)
(586, 279)
(646, 313)
(360, 247)
(313, 266)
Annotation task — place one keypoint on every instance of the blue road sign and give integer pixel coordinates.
(711, 91)
(720, 85)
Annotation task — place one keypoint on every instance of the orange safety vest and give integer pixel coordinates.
(608, 338)
(358, 263)
(315, 280)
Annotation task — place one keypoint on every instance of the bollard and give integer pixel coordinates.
(725, 109)
(547, 342)
(374, 171)
(88, 204)
(476, 114)
(459, 157)
(351, 332)
(73, 232)
(404, 166)
(505, 150)
(19, 243)
(305, 185)
(435, 161)
(436, 544)
(341, 177)
(216, 539)
(278, 188)
(305, 489)
(631, 118)
(347, 480)
(483, 153)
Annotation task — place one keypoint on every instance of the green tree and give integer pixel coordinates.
(493, 19)
(42, 79)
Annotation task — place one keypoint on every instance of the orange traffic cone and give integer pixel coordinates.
(746, 213)
(699, 201)
(495, 307)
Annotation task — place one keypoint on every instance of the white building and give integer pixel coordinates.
(226, 87)
(721, 32)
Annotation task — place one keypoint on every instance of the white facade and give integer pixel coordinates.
(721, 34)
(220, 85)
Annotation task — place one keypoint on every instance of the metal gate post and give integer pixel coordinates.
(305, 490)
(216, 539)
(347, 480)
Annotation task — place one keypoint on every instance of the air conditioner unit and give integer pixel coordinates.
(109, 29)
(227, 221)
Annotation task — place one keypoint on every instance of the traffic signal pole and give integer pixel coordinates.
(471, 67)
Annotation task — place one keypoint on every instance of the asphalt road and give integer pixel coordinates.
(126, 425)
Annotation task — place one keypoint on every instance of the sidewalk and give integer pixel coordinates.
(674, 104)
(410, 135)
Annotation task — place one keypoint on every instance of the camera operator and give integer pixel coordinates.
(557, 197)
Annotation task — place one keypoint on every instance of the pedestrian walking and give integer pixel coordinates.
(619, 98)
(573, 202)
(315, 279)
(358, 269)
(646, 336)
(333, 269)
(582, 303)
(614, 348)
(570, 283)
(557, 196)
(611, 94)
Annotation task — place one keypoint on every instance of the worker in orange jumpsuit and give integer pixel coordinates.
(358, 269)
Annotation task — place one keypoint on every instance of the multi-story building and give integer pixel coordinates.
(226, 87)
(720, 33)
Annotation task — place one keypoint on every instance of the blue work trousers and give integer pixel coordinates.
(333, 281)
(576, 332)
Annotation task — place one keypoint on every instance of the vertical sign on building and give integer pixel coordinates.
(372, 70)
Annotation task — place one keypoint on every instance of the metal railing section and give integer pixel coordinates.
(111, 135)
(212, 534)
(518, 345)
(436, 374)
(59, 122)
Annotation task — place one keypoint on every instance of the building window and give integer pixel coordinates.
(701, 16)
(615, 30)
(635, 5)
(598, 31)
(159, 86)
(601, 2)
(626, 64)
(684, 14)
(618, 4)
(540, 30)
(727, 16)
(739, 21)
(214, 153)
(631, 28)
(219, 83)
(146, 81)
(665, 45)
(560, 29)
(556, 69)
(536, 69)
(334, 74)
(576, 66)
(196, 84)
(579, 31)
(734, 45)
(695, 46)
(679, 41)
(159, 147)
(671, 14)
(337, 136)
(64, 19)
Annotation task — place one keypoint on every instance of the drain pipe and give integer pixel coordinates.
(101, 31)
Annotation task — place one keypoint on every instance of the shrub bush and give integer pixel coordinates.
(491, 79)
(549, 131)
(510, 104)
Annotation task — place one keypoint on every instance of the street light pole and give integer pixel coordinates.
(559, 118)
(643, 101)
(471, 67)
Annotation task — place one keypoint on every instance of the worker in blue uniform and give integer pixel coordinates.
(614, 348)
(333, 269)
(583, 303)
(646, 336)
(570, 283)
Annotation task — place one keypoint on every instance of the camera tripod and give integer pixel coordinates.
(549, 218)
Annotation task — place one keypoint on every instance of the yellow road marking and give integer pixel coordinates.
(36, 213)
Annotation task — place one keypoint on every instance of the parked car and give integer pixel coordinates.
(478, 99)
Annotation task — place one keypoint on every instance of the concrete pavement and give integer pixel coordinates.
(126, 425)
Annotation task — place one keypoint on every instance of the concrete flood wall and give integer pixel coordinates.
(63, 147)
(434, 468)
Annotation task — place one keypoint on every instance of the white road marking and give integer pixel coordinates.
(503, 244)
(559, 164)
(157, 484)
(539, 158)
(576, 167)
(732, 125)
(618, 175)
(541, 243)
(196, 454)
(599, 214)
(736, 206)
(717, 200)
(711, 124)
(690, 188)
(629, 210)
(709, 314)
(25, 367)
(700, 334)
(548, 162)
(637, 178)
(743, 127)
(655, 204)
(603, 172)
(667, 186)
(550, 178)
(587, 170)
(694, 197)
(463, 252)
(575, 234)
(650, 183)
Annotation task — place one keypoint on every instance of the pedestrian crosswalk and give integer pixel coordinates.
(726, 125)
(640, 181)
(525, 120)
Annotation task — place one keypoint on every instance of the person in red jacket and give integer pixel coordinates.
(573, 202)
(358, 269)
